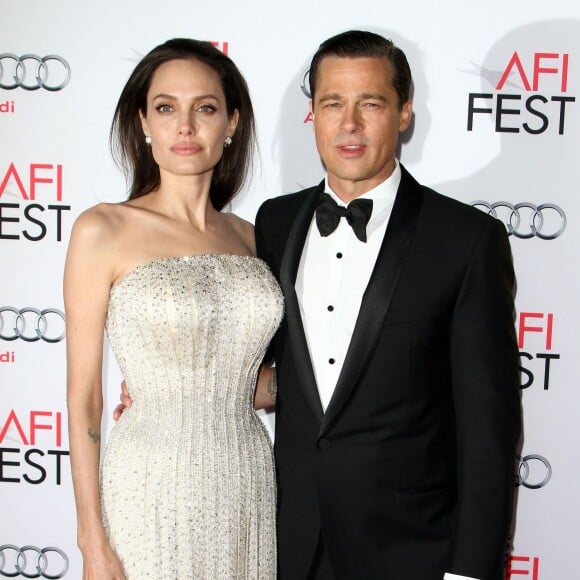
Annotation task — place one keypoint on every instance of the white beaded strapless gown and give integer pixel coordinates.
(187, 482)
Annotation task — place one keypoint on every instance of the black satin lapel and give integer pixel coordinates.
(378, 295)
(288, 273)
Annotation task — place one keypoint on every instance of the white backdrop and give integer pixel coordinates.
(496, 120)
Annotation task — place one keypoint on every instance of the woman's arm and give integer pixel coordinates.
(87, 281)
(265, 394)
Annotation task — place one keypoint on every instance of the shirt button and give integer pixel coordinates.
(339, 255)
(331, 361)
(324, 444)
(330, 308)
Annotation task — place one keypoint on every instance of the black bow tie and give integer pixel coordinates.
(357, 214)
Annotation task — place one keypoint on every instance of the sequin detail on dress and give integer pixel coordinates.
(187, 482)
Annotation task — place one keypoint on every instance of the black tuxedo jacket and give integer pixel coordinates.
(410, 472)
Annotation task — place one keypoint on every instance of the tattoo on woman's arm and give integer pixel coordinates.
(96, 437)
(273, 386)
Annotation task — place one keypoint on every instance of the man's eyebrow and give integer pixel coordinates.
(331, 97)
(360, 96)
(375, 96)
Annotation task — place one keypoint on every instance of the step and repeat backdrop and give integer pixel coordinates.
(496, 125)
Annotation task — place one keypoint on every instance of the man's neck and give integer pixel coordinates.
(348, 190)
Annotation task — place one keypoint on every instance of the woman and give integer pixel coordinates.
(187, 482)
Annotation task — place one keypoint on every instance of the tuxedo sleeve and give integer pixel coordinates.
(262, 234)
(259, 232)
(486, 396)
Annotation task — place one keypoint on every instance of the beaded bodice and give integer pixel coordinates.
(188, 475)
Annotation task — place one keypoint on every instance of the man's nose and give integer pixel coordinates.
(351, 120)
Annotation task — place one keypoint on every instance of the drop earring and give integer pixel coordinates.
(148, 140)
(227, 141)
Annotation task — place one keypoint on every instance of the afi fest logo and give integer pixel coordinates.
(536, 329)
(31, 447)
(31, 199)
(531, 95)
(523, 568)
(224, 46)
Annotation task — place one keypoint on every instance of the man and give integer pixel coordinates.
(398, 408)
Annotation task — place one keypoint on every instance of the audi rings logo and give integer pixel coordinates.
(30, 324)
(32, 72)
(525, 220)
(32, 562)
(534, 472)
(305, 85)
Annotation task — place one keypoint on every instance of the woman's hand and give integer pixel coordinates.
(125, 403)
(102, 564)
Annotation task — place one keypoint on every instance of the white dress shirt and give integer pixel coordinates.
(332, 277)
(333, 274)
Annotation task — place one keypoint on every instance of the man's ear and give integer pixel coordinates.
(405, 116)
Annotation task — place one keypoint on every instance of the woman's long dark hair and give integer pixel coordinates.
(127, 141)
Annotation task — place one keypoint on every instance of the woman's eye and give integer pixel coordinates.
(164, 108)
(206, 109)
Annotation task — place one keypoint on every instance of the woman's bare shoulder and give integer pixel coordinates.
(244, 229)
(100, 231)
(104, 219)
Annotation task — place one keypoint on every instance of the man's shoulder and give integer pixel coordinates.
(275, 219)
(280, 211)
(437, 204)
(455, 210)
(290, 200)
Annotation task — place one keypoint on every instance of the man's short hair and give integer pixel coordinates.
(359, 44)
